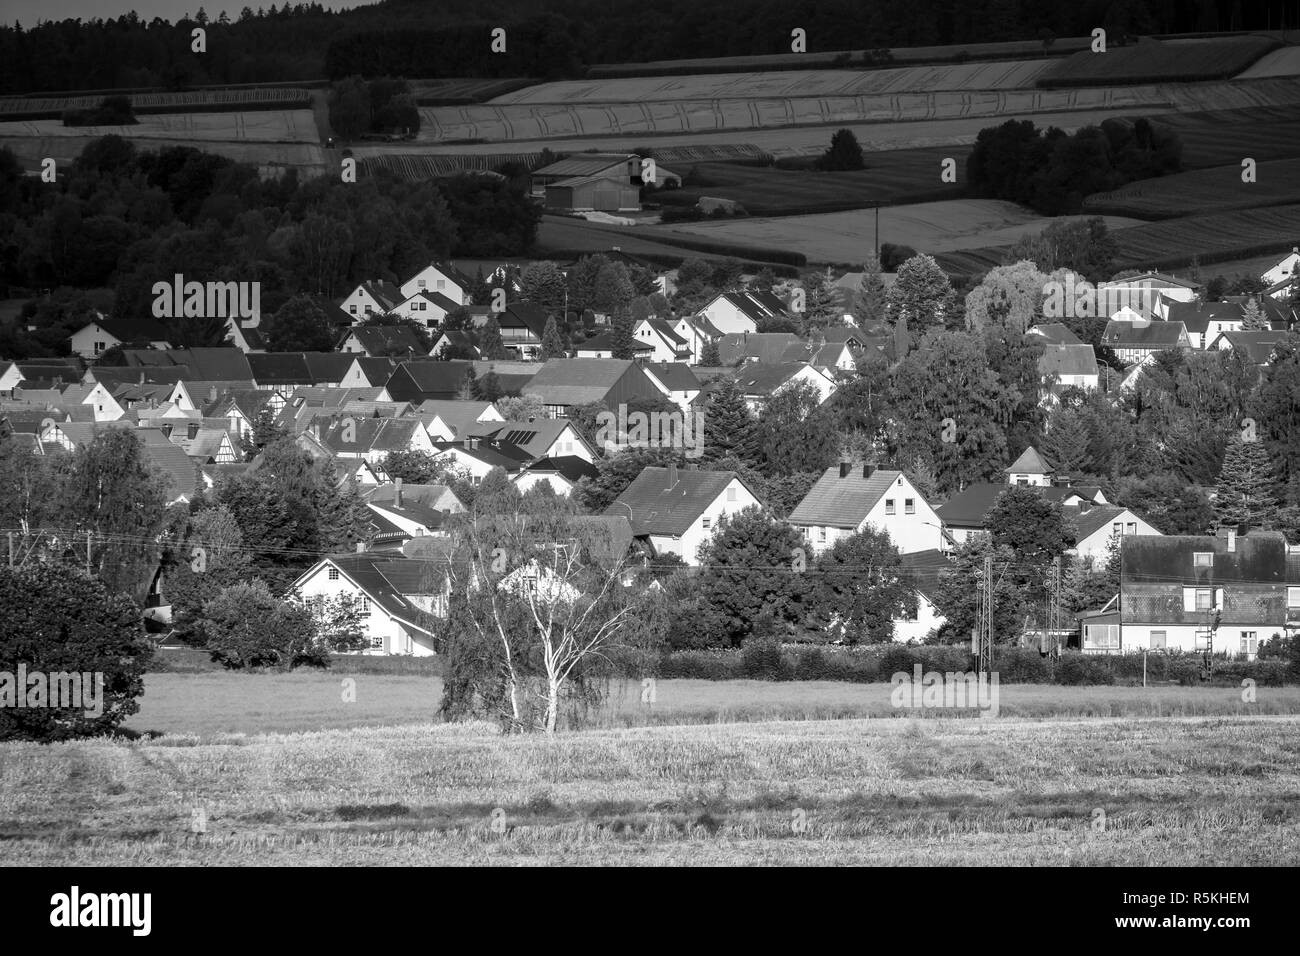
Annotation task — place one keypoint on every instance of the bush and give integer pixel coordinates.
(246, 626)
(1076, 668)
(762, 659)
(56, 619)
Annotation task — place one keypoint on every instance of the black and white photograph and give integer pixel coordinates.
(674, 433)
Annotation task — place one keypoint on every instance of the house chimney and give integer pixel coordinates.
(212, 393)
(397, 492)
(672, 474)
(1232, 539)
(868, 471)
(844, 469)
(142, 378)
(361, 547)
(193, 430)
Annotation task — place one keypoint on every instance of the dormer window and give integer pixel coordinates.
(1203, 559)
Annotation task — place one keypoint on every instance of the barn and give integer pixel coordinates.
(608, 182)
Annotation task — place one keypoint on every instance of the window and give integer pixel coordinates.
(909, 506)
(1202, 639)
(1293, 597)
(1204, 599)
(334, 574)
(708, 522)
(376, 643)
(1157, 640)
(731, 494)
(423, 283)
(99, 347)
(1249, 642)
(1022, 481)
(1203, 559)
(364, 607)
(821, 535)
(889, 506)
(1117, 527)
(1132, 527)
(352, 309)
(442, 283)
(1101, 636)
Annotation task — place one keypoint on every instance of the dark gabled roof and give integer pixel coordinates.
(411, 491)
(52, 361)
(758, 378)
(415, 381)
(533, 438)
(517, 315)
(1168, 559)
(382, 291)
(1197, 316)
(1152, 335)
(112, 376)
(769, 301)
(37, 371)
(665, 329)
(1067, 360)
(214, 364)
(1087, 523)
(422, 514)
(377, 369)
(179, 469)
(604, 341)
(370, 434)
(969, 508)
(457, 415)
(509, 458)
(583, 164)
(1257, 346)
(385, 338)
(676, 376)
(280, 368)
(568, 466)
(925, 569)
(837, 502)
(757, 346)
(327, 367)
(658, 509)
(748, 305)
(437, 298)
(577, 381)
(1056, 333)
(142, 328)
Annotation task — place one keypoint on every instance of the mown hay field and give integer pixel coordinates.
(1218, 189)
(1152, 60)
(562, 237)
(502, 123)
(1000, 75)
(845, 237)
(1225, 137)
(1158, 792)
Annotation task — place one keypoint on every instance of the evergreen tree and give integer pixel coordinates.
(490, 343)
(709, 356)
(544, 284)
(1247, 487)
(488, 388)
(1067, 441)
(552, 342)
(624, 341)
(821, 308)
(869, 300)
(844, 153)
(729, 428)
(479, 292)
(1254, 318)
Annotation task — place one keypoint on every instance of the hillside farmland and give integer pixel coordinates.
(1218, 189)
(1283, 62)
(1151, 60)
(1220, 237)
(1003, 75)
(560, 237)
(191, 101)
(1224, 137)
(844, 237)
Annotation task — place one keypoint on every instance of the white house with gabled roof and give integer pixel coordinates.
(438, 277)
(849, 498)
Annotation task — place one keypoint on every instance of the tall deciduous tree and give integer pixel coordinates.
(861, 588)
(919, 293)
(1010, 296)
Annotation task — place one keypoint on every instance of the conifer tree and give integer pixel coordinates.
(1247, 487)
(490, 343)
(869, 300)
(729, 428)
(552, 342)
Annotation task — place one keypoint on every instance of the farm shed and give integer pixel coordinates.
(596, 193)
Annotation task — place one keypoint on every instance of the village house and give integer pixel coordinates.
(923, 570)
(759, 382)
(1068, 365)
(439, 278)
(1285, 268)
(676, 381)
(451, 420)
(1227, 593)
(735, 312)
(666, 343)
(674, 511)
(522, 326)
(378, 340)
(1256, 347)
(476, 457)
(1135, 342)
(563, 384)
(429, 309)
(850, 498)
(768, 348)
(453, 342)
(561, 473)
(602, 345)
(419, 381)
(399, 598)
(1204, 321)
(1054, 333)
(369, 372)
(94, 338)
(376, 297)
(373, 439)
(543, 438)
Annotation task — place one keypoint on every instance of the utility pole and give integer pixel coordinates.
(984, 634)
(11, 549)
(88, 552)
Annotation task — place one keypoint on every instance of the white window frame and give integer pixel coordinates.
(890, 507)
(1163, 640)
(909, 506)
(1202, 559)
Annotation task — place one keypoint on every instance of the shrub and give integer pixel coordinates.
(246, 626)
(761, 659)
(1076, 668)
(56, 619)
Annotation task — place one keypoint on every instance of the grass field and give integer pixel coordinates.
(1150, 61)
(279, 126)
(1218, 237)
(1161, 792)
(1283, 62)
(1224, 137)
(562, 237)
(210, 704)
(464, 90)
(1218, 189)
(1003, 75)
(910, 175)
(844, 237)
(262, 98)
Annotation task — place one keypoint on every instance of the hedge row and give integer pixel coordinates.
(760, 660)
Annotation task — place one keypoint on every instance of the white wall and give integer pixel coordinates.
(396, 639)
(431, 279)
(928, 619)
(688, 545)
(726, 318)
(1094, 546)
